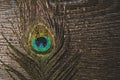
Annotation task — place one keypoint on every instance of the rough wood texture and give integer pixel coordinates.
(6, 13)
(95, 30)
(94, 27)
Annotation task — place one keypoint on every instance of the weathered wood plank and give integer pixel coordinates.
(94, 29)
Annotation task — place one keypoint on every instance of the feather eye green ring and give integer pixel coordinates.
(41, 40)
(41, 44)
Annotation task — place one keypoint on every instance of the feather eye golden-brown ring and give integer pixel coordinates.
(41, 40)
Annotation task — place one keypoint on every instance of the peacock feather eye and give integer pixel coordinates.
(41, 40)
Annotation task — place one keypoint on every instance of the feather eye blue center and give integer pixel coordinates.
(41, 44)
(41, 41)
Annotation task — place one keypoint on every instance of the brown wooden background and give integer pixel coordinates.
(94, 27)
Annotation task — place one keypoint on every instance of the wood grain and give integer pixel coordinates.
(94, 30)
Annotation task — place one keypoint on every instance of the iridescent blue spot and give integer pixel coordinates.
(41, 44)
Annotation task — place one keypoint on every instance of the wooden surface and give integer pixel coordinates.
(94, 29)
(6, 13)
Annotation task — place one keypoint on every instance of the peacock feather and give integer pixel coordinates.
(43, 44)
